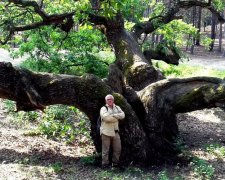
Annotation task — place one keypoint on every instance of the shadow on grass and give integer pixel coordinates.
(198, 132)
(35, 157)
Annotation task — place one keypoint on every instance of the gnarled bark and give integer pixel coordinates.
(149, 129)
(170, 58)
(138, 72)
(86, 93)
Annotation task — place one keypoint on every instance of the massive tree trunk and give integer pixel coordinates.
(149, 129)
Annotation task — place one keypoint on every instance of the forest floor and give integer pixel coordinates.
(204, 58)
(36, 157)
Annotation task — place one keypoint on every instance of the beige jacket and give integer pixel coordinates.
(110, 119)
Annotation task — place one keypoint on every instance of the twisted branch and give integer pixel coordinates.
(149, 26)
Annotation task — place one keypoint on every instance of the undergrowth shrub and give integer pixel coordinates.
(202, 169)
(58, 122)
(9, 106)
(64, 123)
(20, 117)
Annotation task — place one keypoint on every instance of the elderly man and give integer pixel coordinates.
(109, 131)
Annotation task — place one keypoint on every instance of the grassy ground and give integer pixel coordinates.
(186, 70)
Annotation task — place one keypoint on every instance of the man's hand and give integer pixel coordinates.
(119, 116)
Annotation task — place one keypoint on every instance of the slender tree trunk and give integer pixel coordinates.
(224, 37)
(157, 39)
(153, 40)
(193, 23)
(213, 32)
(204, 25)
(192, 46)
(161, 37)
(220, 38)
(189, 37)
(199, 26)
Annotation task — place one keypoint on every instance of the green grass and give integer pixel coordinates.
(91, 159)
(184, 71)
(216, 149)
(203, 169)
(57, 167)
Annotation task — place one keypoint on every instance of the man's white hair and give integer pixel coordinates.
(109, 96)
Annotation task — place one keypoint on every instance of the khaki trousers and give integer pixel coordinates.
(116, 145)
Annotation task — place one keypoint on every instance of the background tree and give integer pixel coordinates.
(213, 31)
(149, 102)
(199, 25)
(220, 37)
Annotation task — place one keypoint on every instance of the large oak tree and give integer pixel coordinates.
(149, 101)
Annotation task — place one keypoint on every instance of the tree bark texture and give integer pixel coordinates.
(149, 129)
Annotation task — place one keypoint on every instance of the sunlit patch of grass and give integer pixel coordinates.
(217, 150)
(184, 71)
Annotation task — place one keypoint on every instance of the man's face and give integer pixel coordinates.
(110, 101)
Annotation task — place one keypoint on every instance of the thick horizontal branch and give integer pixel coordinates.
(31, 90)
(163, 99)
(184, 95)
(172, 58)
(97, 20)
(51, 20)
(63, 21)
(36, 90)
(150, 26)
